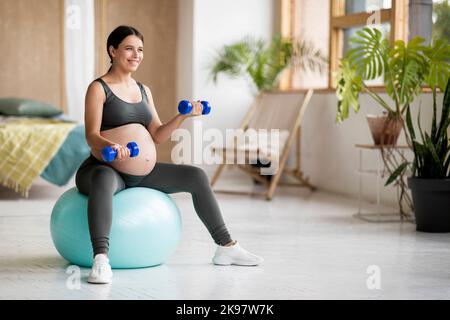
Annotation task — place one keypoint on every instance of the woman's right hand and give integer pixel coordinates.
(123, 153)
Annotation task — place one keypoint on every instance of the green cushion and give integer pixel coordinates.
(27, 107)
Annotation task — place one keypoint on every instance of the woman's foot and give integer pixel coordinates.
(101, 270)
(235, 255)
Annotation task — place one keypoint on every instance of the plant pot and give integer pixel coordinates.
(384, 130)
(431, 199)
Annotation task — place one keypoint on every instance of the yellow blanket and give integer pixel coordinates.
(27, 145)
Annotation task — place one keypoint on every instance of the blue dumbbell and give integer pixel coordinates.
(185, 107)
(109, 154)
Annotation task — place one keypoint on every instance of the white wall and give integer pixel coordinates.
(215, 23)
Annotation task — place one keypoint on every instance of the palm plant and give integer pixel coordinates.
(263, 62)
(404, 68)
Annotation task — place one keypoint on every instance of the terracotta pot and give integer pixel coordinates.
(384, 129)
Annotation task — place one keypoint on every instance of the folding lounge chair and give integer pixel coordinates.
(271, 110)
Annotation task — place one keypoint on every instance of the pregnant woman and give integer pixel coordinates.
(118, 109)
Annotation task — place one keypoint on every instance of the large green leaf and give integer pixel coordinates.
(438, 55)
(349, 84)
(370, 55)
(409, 124)
(407, 66)
(397, 172)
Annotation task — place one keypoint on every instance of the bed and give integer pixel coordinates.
(68, 158)
(24, 154)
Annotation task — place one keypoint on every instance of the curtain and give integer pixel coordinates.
(79, 54)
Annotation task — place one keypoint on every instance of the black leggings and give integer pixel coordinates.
(100, 182)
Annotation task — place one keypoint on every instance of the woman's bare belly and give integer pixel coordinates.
(141, 165)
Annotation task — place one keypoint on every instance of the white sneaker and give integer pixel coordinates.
(235, 255)
(101, 270)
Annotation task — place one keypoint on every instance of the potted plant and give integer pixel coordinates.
(403, 68)
(263, 61)
(430, 181)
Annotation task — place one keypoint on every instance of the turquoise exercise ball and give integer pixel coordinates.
(146, 228)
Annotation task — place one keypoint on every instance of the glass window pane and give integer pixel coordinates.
(441, 19)
(356, 6)
(420, 19)
(307, 13)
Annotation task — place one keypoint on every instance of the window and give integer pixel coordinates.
(441, 20)
(358, 6)
(331, 23)
(347, 16)
(307, 20)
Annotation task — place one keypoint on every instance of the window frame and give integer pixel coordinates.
(397, 16)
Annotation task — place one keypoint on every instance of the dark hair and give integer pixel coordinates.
(117, 36)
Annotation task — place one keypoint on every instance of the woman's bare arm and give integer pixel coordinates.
(162, 132)
(95, 97)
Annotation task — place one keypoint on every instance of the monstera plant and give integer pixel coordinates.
(404, 69)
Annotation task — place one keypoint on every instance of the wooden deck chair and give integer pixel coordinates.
(275, 110)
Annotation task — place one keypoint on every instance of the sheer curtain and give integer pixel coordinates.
(79, 54)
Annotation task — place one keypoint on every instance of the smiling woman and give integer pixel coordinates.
(119, 110)
(129, 103)
(126, 44)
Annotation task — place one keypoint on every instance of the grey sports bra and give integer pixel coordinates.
(117, 112)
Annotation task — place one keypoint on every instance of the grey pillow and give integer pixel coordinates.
(27, 107)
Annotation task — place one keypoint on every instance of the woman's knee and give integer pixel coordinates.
(198, 182)
(103, 177)
(82, 182)
(196, 175)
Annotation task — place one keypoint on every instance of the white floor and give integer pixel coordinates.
(313, 249)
